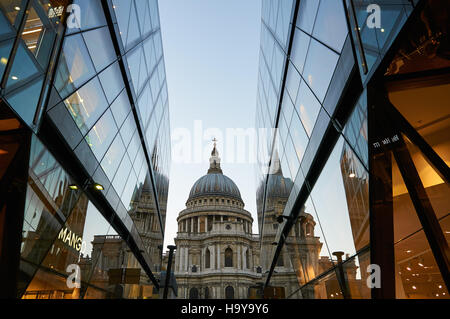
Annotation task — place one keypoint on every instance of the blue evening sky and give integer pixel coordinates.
(211, 50)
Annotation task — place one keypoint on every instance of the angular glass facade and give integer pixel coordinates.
(84, 106)
(353, 122)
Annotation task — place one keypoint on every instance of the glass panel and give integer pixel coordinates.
(437, 190)
(319, 68)
(299, 49)
(326, 287)
(86, 105)
(113, 157)
(122, 10)
(307, 15)
(12, 10)
(5, 50)
(128, 129)
(121, 108)
(112, 82)
(38, 34)
(75, 66)
(307, 107)
(25, 100)
(122, 175)
(101, 135)
(356, 185)
(430, 119)
(299, 137)
(331, 24)
(24, 67)
(334, 216)
(292, 82)
(134, 65)
(133, 27)
(92, 15)
(100, 47)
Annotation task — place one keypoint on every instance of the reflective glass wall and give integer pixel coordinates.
(319, 154)
(301, 46)
(91, 84)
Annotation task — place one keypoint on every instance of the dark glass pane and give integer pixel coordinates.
(24, 67)
(25, 100)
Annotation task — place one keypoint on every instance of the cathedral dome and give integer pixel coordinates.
(215, 183)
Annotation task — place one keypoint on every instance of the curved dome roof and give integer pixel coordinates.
(215, 184)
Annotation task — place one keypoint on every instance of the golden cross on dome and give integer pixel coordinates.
(214, 140)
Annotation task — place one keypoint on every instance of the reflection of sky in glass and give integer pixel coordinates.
(95, 225)
(330, 203)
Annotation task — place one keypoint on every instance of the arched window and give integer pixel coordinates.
(206, 293)
(228, 257)
(207, 258)
(229, 292)
(193, 293)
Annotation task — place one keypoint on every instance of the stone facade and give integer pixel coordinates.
(217, 255)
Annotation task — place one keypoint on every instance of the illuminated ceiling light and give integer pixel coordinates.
(414, 287)
(408, 268)
(382, 30)
(3, 152)
(17, 8)
(73, 187)
(99, 187)
(3, 60)
(32, 47)
(352, 175)
(440, 286)
(420, 263)
(15, 78)
(409, 251)
(437, 295)
(32, 31)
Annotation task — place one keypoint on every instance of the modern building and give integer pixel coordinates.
(353, 102)
(84, 148)
(217, 255)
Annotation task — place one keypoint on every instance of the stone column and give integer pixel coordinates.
(177, 260)
(212, 258)
(198, 224)
(206, 224)
(238, 266)
(218, 256)
(202, 261)
(186, 253)
(244, 260)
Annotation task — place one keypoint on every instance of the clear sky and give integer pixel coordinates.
(211, 50)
